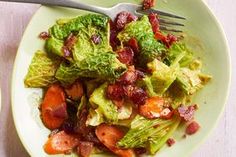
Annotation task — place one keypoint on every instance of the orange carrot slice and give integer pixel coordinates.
(109, 136)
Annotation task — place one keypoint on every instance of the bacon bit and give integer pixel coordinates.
(192, 128)
(44, 35)
(68, 45)
(154, 20)
(133, 43)
(170, 142)
(115, 92)
(147, 4)
(85, 148)
(70, 41)
(114, 41)
(137, 95)
(167, 40)
(126, 55)
(60, 111)
(124, 18)
(186, 112)
(140, 151)
(129, 77)
(96, 39)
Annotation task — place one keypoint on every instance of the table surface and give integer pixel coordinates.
(15, 17)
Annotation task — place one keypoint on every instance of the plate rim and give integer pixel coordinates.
(205, 136)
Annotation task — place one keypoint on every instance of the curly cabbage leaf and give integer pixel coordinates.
(191, 80)
(177, 49)
(144, 132)
(142, 31)
(162, 77)
(101, 66)
(41, 72)
(104, 105)
(88, 59)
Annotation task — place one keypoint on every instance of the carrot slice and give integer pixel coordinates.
(109, 136)
(75, 91)
(61, 143)
(53, 100)
(152, 107)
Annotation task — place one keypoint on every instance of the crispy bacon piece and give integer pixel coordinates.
(147, 4)
(85, 148)
(153, 19)
(124, 18)
(126, 55)
(133, 43)
(115, 92)
(186, 112)
(137, 95)
(68, 45)
(170, 142)
(96, 39)
(129, 77)
(44, 35)
(192, 128)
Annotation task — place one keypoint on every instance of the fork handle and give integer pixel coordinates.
(65, 3)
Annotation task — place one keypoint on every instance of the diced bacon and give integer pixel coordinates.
(96, 39)
(115, 92)
(126, 55)
(124, 18)
(186, 112)
(133, 43)
(192, 128)
(170, 142)
(44, 35)
(85, 148)
(147, 4)
(153, 19)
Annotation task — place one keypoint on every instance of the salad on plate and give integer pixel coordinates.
(120, 87)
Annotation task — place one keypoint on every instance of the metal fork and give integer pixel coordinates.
(113, 11)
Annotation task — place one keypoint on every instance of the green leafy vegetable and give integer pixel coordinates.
(175, 51)
(88, 59)
(191, 81)
(104, 105)
(41, 71)
(102, 66)
(142, 31)
(144, 132)
(162, 77)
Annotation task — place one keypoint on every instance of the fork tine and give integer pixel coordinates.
(170, 29)
(166, 22)
(162, 13)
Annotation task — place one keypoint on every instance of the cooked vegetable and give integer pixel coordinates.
(75, 91)
(109, 136)
(41, 71)
(120, 86)
(141, 30)
(54, 102)
(104, 105)
(145, 132)
(61, 143)
(191, 81)
(162, 77)
(89, 59)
